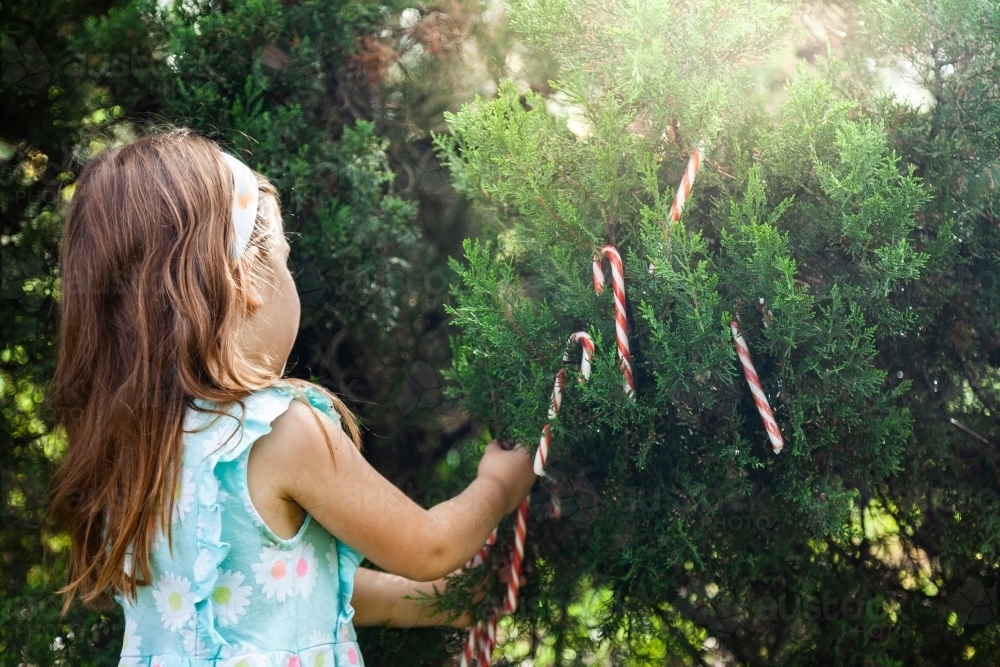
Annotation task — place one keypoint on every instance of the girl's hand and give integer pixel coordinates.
(512, 468)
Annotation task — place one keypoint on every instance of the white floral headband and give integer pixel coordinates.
(244, 204)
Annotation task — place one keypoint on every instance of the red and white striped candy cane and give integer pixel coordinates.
(471, 650)
(482, 638)
(480, 556)
(541, 456)
(487, 640)
(756, 389)
(517, 556)
(621, 322)
(683, 190)
(542, 453)
(687, 182)
(479, 642)
(472, 642)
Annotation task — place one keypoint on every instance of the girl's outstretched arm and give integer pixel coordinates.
(380, 597)
(291, 472)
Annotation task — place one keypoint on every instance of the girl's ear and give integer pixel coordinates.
(255, 298)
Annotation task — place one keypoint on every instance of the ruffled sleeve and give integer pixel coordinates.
(348, 561)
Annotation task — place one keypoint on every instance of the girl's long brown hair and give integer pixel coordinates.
(151, 303)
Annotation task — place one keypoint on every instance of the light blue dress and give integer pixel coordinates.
(231, 593)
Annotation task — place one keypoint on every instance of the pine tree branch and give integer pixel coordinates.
(718, 168)
(717, 21)
(555, 218)
(520, 334)
(968, 431)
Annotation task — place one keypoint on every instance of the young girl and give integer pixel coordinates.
(223, 506)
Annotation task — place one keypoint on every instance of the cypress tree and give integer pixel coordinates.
(852, 236)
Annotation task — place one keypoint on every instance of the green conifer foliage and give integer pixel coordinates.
(845, 232)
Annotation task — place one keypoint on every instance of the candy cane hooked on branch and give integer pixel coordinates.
(473, 640)
(687, 182)
(770, 425)
(482, 637)
(479, 643)
(542, 453)
(621, 321)
(683, 190)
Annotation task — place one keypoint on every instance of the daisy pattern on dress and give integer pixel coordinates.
(174, 601)
(127, 661)
(320, 653)
(306, 569)
(208, 490)
(318, 656)
(275, 573)
(193, 644)
(202, 565)
(222, 437)
(248, 659)
(318, 638)
(331, 559)
(230, 598)
(183, 495)
(131, 641)
(236, 650)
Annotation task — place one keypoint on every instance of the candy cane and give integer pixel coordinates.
(487, 640)
(480, 556)
(683, 190)
(517, 556)
(470, 651)
(770, 425)
(542, 453)
(482, 638)
(473, 640)
(687, 182)
(621, 322)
